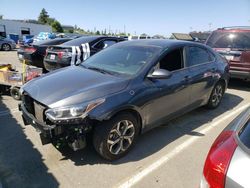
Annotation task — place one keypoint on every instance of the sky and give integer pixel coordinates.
(135, 16)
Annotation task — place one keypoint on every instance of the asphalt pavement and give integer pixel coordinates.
(167, 156)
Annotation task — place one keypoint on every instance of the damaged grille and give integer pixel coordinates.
(34, 108)
(28, 103)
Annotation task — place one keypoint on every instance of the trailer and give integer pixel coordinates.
(11, 80)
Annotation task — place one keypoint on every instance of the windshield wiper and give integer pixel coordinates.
(100, 70)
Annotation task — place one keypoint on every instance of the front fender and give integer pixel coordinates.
(115, 104)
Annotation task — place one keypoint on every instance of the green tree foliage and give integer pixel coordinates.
(97, 32)
(43, 17)
(56, 26)
(50, 20)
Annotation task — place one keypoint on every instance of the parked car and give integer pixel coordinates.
(123, 91)
(228, 160)
(44, 36)
(76, 50)
(234, 44)
(7, 44)
(33, 54)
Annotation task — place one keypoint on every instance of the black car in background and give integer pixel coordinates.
(33, 54)
(123, 91)
(77, 50)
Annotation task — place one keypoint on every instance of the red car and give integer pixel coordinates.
(234, 44)
(228, 161)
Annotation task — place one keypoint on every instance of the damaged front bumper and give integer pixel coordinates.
(73, 134)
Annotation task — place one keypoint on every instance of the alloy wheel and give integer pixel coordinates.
(121, 137)
(217, 95)
(6, 47)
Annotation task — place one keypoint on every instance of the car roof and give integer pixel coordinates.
(51, 41)
(162, 43)
(234, 29)
(84, 39)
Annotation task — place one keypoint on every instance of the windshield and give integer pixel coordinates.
(126, 60)
(239, 40)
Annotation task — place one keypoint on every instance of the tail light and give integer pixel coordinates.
(30, 49)
(218, 160)
(60, 54)
(65, 53)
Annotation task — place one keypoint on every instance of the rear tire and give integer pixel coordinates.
(216, 95)
(114, 138)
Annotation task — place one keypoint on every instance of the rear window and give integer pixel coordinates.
(245, 135)
(79, 41)
(197, 56)
(227, 39)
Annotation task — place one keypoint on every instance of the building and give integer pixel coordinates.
(68, 28)
(21, 27)
(200, 36)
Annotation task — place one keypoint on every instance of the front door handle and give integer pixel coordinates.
(186, 78)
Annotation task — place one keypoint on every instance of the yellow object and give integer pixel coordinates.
(5, 67)
(24, 71)
(3, 71)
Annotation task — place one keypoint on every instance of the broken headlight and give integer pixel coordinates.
(79, 111)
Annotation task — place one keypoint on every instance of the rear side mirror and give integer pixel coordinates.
(160, 74)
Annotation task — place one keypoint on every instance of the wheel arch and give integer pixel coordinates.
(224, 82)
(128, 109)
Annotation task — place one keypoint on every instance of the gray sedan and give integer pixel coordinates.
(7, 44)
(228, 160)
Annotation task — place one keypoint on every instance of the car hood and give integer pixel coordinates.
(73, 85)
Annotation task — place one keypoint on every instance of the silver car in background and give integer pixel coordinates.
(7, 44)
(228, 161)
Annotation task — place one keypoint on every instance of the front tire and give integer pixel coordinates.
(216, 96)
(114, 138)
(6, 47)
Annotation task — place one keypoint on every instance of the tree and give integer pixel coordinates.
(97, 32)
(56, 26)
(50, 20)
(43, 16)
(1, 17)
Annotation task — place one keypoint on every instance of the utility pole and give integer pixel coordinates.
(210, 26)
(124, 29)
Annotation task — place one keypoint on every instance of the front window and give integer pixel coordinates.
(122, 60)
(238, 40)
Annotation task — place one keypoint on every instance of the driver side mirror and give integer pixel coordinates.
(160, 74)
